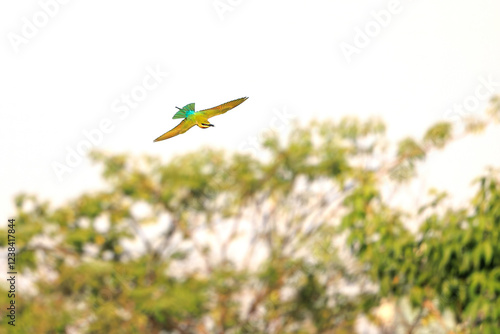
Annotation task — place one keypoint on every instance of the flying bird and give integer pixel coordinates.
(200, 118)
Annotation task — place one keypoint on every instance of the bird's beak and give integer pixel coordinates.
(211, 125)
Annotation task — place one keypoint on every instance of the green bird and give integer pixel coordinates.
(200, 118)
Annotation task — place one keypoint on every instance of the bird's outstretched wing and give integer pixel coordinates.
(181, 128)
(222, 108)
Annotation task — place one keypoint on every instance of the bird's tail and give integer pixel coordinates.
(185, 111)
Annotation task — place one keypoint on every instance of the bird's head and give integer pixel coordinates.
(205, 125)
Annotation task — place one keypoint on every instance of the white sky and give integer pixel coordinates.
(66, 78)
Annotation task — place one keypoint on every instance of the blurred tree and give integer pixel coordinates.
(216, 243)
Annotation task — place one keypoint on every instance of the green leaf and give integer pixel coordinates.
(409, 149)
(438, 135)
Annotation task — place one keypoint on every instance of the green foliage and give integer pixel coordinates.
(409, 149)
(262, 246)
(438, 135)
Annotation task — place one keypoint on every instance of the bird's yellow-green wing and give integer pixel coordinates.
(181, 128)
(222, 108)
